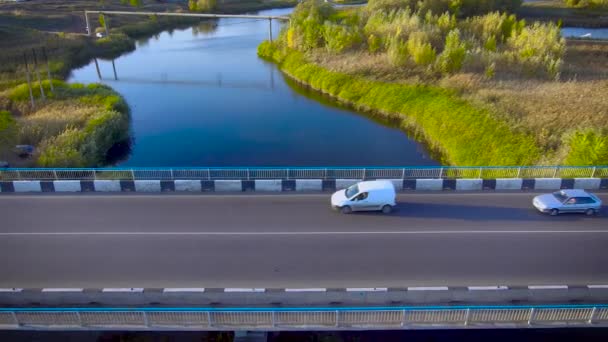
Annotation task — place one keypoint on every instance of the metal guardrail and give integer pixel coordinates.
(327, 173)
(301, 318)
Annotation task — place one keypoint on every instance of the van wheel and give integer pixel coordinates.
(590, 212)
(346, 209)
(387, 209)
(554, 212)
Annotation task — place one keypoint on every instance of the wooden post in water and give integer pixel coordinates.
(29, 83)
(97, 67)
(86, 19)
(270, 29)
(48, 68)
(38, 75)
(114, 68)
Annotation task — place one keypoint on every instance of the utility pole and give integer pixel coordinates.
(29, 83)
(38, 75)
(48, 68)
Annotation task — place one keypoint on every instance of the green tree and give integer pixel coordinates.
(397, 51)
(587, 148)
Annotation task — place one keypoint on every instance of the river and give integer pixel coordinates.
(202, 97)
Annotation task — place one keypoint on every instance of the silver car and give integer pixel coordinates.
(568, 201)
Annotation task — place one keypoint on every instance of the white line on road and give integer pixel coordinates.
(320, 289)
(366, 289)
(185, 289)
(123, 289)
(428, 288)
(413, 232)
(230, 289)
(486, 288)
(548, 287)
(597, 286)
(55, 289)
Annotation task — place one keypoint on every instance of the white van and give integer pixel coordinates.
(365, 196)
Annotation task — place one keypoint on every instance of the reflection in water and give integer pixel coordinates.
(119, 153)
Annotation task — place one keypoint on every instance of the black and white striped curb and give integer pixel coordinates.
(304, 290)
(298, 185)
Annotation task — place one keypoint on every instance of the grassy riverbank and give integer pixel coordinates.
(467, 136)
(77, 125)
(521, 96)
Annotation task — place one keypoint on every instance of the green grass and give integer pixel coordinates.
(461, 132)
(75, 127)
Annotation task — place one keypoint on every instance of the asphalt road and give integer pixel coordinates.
(278, 241)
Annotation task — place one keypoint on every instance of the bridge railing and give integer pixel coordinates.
(302, 318)
(327, 173)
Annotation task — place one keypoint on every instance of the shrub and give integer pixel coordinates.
(420, 49)
(8, 129)
(587, 148)
(202, 5)
(397, 51)
(339, 38)
(539, 47)
(307, 24)
(22, 92)
(454, 53)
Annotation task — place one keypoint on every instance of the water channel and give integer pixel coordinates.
(202, 97)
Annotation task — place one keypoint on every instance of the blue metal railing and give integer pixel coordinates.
(331, 172)
(265, 318)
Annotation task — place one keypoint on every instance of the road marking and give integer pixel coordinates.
(11, 289)
(307, 290)
(597, 286)
(548, 287)
(366, 289)
(54, 289)
(185, 289)
(485, 288)
(230, 289)
(123, 289)
(413, 232)
(428, 288)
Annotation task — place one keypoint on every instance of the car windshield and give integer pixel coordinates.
(561, 197)
(352, 191)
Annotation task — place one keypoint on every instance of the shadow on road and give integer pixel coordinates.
(481, 213)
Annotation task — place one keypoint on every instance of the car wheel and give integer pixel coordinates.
(590, 212)
(346, 209)
(554, 212)
(387, 209)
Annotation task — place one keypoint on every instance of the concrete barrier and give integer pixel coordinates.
(228, 185)
(547, 183)
(345, 183)
(309, 185)
(587, 183)
(67, 186)
(429, 184)
(147, 185)
(469, 184)
(509, 183)
(188, 185)
(269, 185)
(27, 186)
(107, 185)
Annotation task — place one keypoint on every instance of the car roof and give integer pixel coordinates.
(375, 185)
(575, 192)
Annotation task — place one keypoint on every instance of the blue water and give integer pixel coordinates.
(206, 99)
(581, 32)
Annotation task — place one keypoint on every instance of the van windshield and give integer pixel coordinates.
(352, 191)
